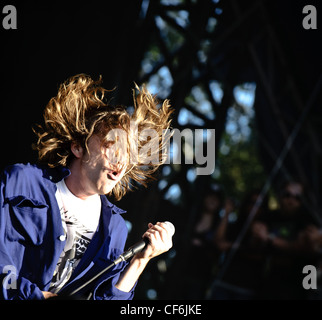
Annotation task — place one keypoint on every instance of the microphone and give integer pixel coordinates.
(139, 246)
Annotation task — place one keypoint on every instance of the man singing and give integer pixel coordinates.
(57, 227)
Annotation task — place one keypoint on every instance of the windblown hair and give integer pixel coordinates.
(79, 110)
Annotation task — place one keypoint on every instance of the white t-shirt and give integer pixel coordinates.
(80, 219)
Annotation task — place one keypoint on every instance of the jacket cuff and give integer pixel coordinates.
(36, 294)
(122, 295)
(22, 289)
(107, 291)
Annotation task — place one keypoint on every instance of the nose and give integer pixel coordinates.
(117, 156)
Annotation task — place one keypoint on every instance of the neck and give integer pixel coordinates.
(75, 182)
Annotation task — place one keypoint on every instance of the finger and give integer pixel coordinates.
(154, 237)
(163, 225)
(151, 231)
(150, 225)
(159, 226)
(162, 230)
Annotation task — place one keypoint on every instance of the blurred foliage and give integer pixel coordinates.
(239, 168)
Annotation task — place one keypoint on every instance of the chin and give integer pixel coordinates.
(107, 189)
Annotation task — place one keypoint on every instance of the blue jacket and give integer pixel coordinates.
(31, 242)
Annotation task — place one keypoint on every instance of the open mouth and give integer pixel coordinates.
(113, 174)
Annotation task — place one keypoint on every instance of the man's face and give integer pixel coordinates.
(99, 170)
(291, 198)
(211, 203)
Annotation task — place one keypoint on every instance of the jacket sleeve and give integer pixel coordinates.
(17, 288)
(105, 288)
(13, 287)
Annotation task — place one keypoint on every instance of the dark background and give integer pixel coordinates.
(261, 42)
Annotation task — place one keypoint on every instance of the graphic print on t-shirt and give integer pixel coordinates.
(79, 221)
(78, 238)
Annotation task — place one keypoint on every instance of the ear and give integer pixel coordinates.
(76, 149)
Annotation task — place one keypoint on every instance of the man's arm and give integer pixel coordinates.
(160, 241)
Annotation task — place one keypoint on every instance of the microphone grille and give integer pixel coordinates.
(170, 227)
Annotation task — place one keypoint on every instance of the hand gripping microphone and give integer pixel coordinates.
(138, 247)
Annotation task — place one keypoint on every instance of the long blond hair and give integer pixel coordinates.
(79, 110)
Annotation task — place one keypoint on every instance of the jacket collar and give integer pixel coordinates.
(55, 174)
(113, 207)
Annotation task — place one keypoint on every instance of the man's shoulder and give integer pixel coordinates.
(22, 170)
(29, 171)
(21, 179)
